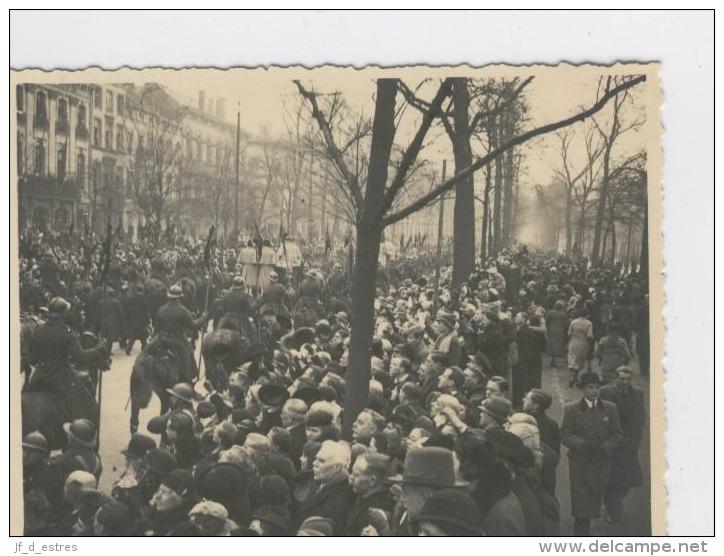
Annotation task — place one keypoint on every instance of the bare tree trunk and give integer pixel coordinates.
(597, 250)
(464, 216)
(516, 195)
(644, 257)
(581, 233)
(364, 275)
(486, 215)
(507, 189)
(310, 204)
(497, 201)
(569, 228)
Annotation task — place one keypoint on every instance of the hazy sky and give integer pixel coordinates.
(261, 96)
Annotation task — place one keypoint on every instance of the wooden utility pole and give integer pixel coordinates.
(438, 257)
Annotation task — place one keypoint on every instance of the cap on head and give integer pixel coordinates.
(182, 391)
(82, 431)
(35, 441)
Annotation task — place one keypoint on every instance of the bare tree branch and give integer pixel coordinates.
(522, 138)
(332, 149)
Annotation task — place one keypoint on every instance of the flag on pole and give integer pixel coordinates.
(209, 247)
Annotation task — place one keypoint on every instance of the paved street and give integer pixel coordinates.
(636, 520)
(115, 434)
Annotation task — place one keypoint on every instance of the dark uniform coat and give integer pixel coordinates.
(137, 316)
(237, 307)
(591, 436)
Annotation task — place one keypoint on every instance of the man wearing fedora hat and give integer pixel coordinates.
(450, 513)
(425, 471)
(591, 431)
(272, 397)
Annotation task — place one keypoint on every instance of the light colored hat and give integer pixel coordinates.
(175, 292)
(210, 508)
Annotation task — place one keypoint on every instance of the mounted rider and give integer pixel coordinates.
(237, 306)
(52, 349)
(174, 323)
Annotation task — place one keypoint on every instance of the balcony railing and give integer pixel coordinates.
(49, 186)
(81, 132)
(61, 126)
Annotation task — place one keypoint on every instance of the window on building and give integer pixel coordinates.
(96, 132)
(98, 98)
(39, 158)
(80, 170)
(21, 153)
(81, 115)
(20, 98)
(129, 182)
(141, 144)
(62, 110)
(108, 177)
(41, 108)
(119, 104)
(109, 102)
(120, 136)
(120, 180)
(108, 144)
(61, 165)
(96, 174)
(189, 149)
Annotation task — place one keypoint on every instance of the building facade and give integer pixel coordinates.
(76, 148)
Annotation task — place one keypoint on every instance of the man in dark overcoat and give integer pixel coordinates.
(137, 317)
(625, 467)
(591, 431)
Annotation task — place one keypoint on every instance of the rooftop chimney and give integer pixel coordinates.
(202, 100)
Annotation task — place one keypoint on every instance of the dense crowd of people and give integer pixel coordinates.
(455, 438)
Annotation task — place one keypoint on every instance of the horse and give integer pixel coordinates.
(154, 371)
(223, 350)
(46, 410)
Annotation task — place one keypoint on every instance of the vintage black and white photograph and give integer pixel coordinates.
(407, 301)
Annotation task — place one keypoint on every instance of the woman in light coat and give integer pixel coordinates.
(580, 338)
